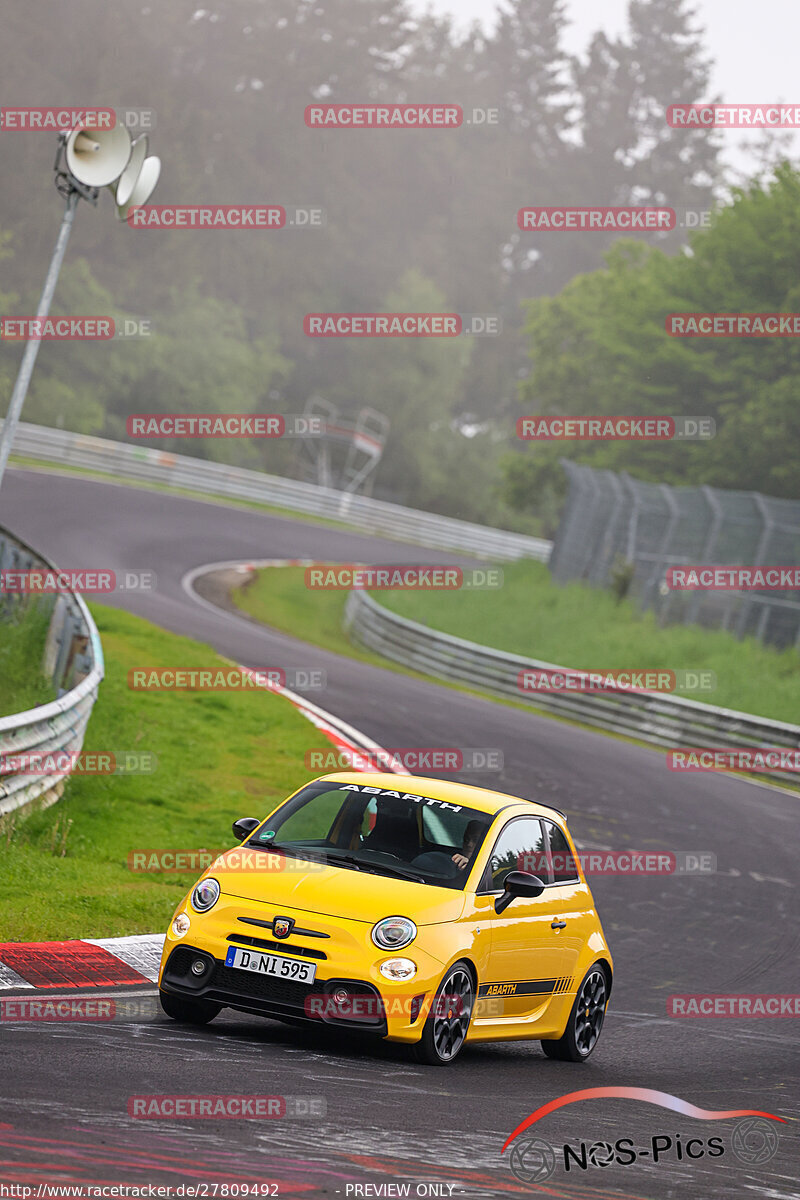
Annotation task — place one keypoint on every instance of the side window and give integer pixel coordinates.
(520, 847)
(564, 866)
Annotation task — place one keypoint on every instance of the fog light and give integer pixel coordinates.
(198, 966)
(398, 968)
(181, 925)
(340, 996)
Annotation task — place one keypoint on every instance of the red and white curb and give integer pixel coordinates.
(84, 963)
(130, 961)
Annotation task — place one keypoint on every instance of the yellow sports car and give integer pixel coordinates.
(419, 910)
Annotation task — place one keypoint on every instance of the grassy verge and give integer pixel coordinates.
(22, 685)
(220, 755)
(278, 597)
(573, 626)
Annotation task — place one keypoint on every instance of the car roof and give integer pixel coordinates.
(483, 799)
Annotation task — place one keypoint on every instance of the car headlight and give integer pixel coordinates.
(392, 933)
(398, 968)
(181, 925)
(205, 895)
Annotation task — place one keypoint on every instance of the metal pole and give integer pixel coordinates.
(32, 346)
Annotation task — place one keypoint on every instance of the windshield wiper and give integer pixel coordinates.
(401, 872)
(346, 858)
(376, 868)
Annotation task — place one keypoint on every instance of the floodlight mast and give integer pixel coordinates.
(73, 194)
(92, 159)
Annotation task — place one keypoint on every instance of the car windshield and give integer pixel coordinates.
(389, 832)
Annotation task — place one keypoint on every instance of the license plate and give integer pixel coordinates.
(293, 969)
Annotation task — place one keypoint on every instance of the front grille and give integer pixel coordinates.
(280, 947)
(263, 987)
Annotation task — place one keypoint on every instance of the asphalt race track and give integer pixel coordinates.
(64, 1088)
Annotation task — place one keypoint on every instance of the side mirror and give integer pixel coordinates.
(519, 884)
(244, 827)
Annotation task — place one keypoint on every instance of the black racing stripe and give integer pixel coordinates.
(518, 987)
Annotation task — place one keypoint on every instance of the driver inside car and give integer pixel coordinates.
(442, 862)
(471, 834)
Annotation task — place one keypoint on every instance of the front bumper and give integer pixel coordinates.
(365, 1011)
(341, 948)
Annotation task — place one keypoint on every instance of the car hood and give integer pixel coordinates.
(333, 891)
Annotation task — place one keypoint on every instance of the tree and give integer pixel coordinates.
(601, 347)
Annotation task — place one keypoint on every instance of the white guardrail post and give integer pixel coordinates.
(663, 720)
(73, 660)
(140, 463)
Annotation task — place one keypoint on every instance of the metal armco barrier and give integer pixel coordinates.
(130, 462)
(73, 660)
(667, 721)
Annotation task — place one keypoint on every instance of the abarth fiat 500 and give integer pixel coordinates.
(421, 911)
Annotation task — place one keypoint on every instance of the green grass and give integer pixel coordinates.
(572, 626)
(22, 639)
(579, 626)
(278, 597)
(220, 755)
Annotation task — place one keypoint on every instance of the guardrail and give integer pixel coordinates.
(73, 660)
(140, 463)
(663, 720)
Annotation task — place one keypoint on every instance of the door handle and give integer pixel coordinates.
(558, 924)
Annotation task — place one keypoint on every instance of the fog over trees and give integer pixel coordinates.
(415, 220)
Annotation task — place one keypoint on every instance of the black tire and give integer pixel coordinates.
(445, 1029)
(189, 1012)
(585, 1021)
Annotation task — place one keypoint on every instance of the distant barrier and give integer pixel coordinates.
(140, 463)
(663, 720)
(73, 660)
